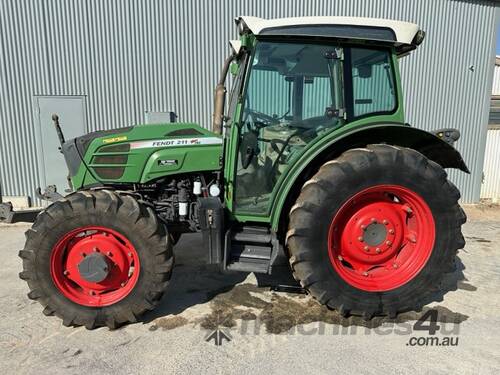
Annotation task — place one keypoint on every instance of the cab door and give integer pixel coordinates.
(292, 95)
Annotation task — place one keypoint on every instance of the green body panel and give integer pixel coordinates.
(194, 159)
(153, 153)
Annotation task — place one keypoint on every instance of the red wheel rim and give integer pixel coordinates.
(381, 238)
(109, 248)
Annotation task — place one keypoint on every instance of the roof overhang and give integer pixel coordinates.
(404, 36)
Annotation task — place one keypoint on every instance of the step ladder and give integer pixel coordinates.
(249, 249)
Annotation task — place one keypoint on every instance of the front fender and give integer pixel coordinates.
(335, 144)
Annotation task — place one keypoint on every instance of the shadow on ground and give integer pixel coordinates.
(217, 299)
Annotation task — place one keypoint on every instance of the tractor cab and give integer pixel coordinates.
(298, 80)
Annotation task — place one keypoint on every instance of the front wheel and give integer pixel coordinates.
(97, 258)
(375, 230)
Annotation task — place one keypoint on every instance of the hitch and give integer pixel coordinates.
(8, 215)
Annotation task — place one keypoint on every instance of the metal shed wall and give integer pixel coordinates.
(495, 90)
(132, 56)
(491, 170)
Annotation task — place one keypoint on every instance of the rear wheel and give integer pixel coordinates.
(97, 258)
(374, 231)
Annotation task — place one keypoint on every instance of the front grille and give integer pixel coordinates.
(109, 173)
(121, 147)
(110, 161)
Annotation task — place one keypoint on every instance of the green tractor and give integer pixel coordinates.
(311, 167)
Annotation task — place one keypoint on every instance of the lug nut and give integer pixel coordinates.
(122, 285)
(366, 248)
(360, 239)
(385, 222)
(66, 273)
(83, 255)
(92, 293)
(340, 258)
(377, 250)
(365, 273)
(130, 255)
(394, 265)
(388, 243)
(363, 226)
(391, 231)
(95, 249)
(109, 253)
(373, 220)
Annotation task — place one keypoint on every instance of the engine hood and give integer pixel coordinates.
(141, 153)
(138, 133)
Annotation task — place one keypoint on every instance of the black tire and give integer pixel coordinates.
(121, 213)
(337, 181)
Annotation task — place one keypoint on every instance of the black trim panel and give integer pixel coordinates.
(335, 31)
(84, 141)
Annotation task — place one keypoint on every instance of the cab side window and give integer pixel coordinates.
(373, 82)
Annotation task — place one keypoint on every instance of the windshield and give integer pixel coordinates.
(295, 85)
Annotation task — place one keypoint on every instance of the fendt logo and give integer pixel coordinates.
(176, 142)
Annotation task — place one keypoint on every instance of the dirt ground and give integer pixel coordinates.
(260, 330)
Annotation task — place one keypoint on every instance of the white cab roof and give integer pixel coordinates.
(404, 31)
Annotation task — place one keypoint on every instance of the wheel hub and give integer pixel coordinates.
(94, 268)
(374, 234)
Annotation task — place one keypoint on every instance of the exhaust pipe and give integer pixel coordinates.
(220, 98)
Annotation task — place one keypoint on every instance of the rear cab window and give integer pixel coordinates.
(373, 83)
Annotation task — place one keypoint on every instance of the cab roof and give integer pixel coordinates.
(404, 36)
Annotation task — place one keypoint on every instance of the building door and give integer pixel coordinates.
(72, 118)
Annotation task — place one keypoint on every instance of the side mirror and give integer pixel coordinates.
(365, 71)
(249, 154)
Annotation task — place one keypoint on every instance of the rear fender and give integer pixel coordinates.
(430, 145)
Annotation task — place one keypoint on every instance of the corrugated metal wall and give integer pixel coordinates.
(490, 188)
(491, 184)
(133, 56)
(495, 90)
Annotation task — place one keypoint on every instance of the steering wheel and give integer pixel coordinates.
(258, 119)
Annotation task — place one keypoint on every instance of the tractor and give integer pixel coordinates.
(309, 166)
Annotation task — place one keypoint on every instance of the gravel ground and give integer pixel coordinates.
(267, 331)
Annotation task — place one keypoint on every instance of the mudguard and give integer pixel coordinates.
(430, 145)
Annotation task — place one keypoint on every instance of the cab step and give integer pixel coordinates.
(249, 249)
